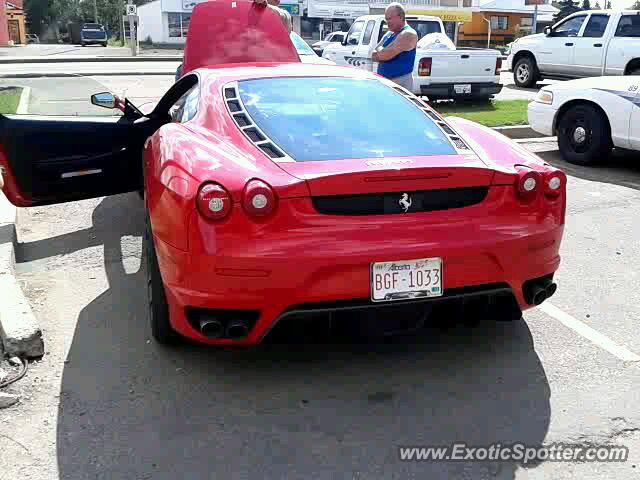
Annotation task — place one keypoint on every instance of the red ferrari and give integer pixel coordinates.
(288, 191)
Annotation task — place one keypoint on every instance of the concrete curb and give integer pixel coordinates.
(85, 59)
(19, 330)
(518, 132)
(23, 104)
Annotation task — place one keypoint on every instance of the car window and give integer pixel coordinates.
(353, 37)
(596, 26)
(628, 26)
(366, 39)
(337, 37)
(570, 28)
(311, 118)
(186, 107)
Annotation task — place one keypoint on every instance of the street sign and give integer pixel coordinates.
(131, 9)
(536, 2)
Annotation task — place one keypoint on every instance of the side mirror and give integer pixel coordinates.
(104, 99)
(547, 30)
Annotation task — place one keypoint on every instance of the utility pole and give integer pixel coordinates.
(534, 27)
(95, 11)
(122, 22)
(488, 31)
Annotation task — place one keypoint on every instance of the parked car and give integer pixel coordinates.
(438, 72)
(32, 38)
(319, 46)
(585, 44)
(279, 190)
(87, 34)
(590, 116)
(306, 53)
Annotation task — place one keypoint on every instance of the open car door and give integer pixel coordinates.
(51, 159)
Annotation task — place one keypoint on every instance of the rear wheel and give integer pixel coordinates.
(584, 136)
(157, 299)
(634, 71)
(525, 73)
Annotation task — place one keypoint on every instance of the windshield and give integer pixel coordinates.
(339, 118)
(92, 26)
(301, 46)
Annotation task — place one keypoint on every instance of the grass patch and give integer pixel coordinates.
(114, 42)
(9, 99)
(494, 114)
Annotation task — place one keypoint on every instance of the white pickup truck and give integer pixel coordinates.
(441, 70)
(586, 44)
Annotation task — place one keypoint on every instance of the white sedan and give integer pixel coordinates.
(590, 116)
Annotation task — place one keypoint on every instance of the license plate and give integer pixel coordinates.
(462, 89)
(406, 279)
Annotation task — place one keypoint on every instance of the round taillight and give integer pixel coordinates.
(213, 201)
(529, 181)
(258, 199)
(554, 183)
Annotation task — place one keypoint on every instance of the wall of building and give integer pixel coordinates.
(4, 27)
(151, 22)
(16, 26)
(476, 31)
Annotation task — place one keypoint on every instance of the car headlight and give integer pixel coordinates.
(545, 96)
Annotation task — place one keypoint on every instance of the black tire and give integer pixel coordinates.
(584, 135)
(525, 73)
(157, 299)
(82, 44)
(634, 71)
(104, 44)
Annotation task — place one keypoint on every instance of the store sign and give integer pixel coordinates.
(445, 15)
(178, 6)
(338, 8)
(293, 9)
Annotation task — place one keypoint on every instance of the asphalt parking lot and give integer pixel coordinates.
(107, 402)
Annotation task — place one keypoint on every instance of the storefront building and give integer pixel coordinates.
(167, 21)
(325, 16)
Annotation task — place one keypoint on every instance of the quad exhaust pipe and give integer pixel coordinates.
(237, 330)
(538, 290)
(213, 328)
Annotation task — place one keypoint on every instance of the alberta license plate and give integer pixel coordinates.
(406, 279)
(462, 89)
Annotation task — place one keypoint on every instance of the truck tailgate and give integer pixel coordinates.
(460, 66)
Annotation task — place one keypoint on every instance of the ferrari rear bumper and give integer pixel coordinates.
(324, 261)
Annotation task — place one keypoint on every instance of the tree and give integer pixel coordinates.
(586, 5)
(567, 7)
(598, 7)
(635, 6)
(607, 5)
